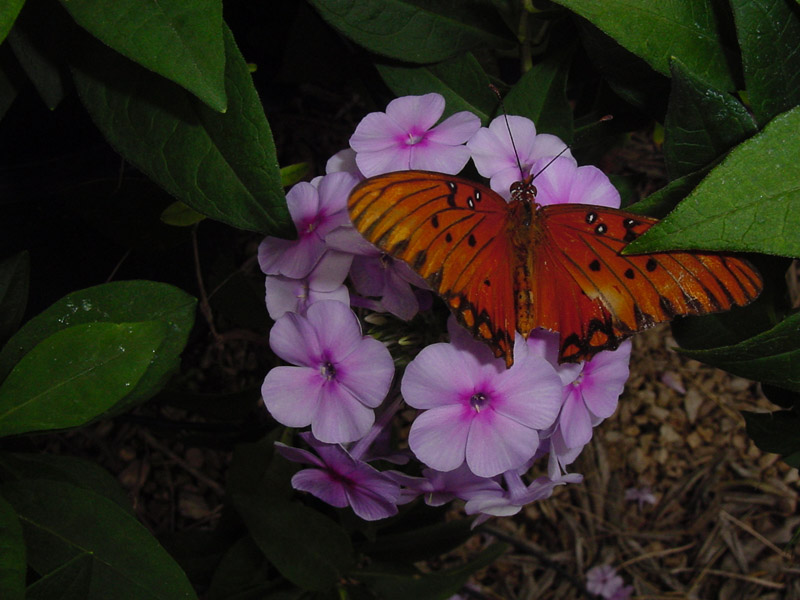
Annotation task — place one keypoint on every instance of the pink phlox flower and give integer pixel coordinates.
(545, 344)
(324, 282)
(641, 495)
(339, 378)
(593, 395)
(515, 496)
(604, 581)
(315, 211)
(344, 160)
(476, 410)
(404, 137)
(564, 182)
(341, 480)
(439, 488)
(560, 455)
(375, 274)
(495, 158)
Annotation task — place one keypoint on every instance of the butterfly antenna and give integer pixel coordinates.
(550, 162)
(511, 137)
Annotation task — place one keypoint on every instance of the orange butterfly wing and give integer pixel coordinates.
(583, 287)
(454, 233)
(503, 267)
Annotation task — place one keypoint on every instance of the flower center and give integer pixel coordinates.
(414, 138)
(328, 371)
(478, 401)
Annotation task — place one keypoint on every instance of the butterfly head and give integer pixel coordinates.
(524, 191)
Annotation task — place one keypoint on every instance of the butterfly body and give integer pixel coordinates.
(513, 266)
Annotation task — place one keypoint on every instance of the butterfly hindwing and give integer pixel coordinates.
(454, 233)
(631, 292)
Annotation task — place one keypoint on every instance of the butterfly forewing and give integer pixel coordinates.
(452, 232)
(635, 291)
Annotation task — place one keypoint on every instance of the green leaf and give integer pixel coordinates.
(8, 90)
(662, 201)
(62, 522)
(541, 95)
(777, 432)
(771, 357)
(115, 302)
(180, 215)
(419, 543)
(657, 31)
(12, 554)
(69, 469)
(70, 581)
(412, 31)
(9, 9)
(750, 202)
(38, 66)
(293, 173)
(179, 40)
(391, 585)
(222, 165)
(306, 547)
(702, 123)
(54, 386)
(461, 80)
(769, 39)
(14, 280)
(242, 568)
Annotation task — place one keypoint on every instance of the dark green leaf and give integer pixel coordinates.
(701, 123)
(769, 38)
(306, 547)
(242, 569)
(661, 202)
(390, 585)
(541, 95)
(12, 554)
(222, 165)
(14, 279)
(179, 40)
(8, 90)
(421, 32)
(420, 543)
(772, 357)
(750, 202)
(657, 31)
(291, 174)
(70, 581)
(56, 386)
(461, 80)
(117, 302)
(38, 66)
(180, 215)
(62, 522)
(777, 432)
(69, 469)
(9, 9)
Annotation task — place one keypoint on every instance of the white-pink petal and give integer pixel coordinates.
(438, 376)
(367, 372)
(295, 340)
(416, 112)
(497, 444)
(439, 158)
(455, 129)
(291, 395)
(429, 445)
(340, 417)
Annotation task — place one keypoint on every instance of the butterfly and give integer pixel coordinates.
(505, 266)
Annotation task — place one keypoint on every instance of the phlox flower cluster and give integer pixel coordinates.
(480, 429)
